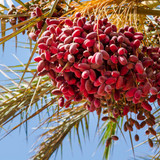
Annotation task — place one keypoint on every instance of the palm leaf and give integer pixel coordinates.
(108, 129)
(4, 7)
(6, 38)
(55, 135)
(3, 27)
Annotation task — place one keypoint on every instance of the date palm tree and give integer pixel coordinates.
(28, 96)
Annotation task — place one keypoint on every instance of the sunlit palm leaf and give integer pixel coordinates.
(4, 7)
(35, 20)
(20, 101)
(3, 27)
(21, 3)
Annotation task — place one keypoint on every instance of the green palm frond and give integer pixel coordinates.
(18, 98)
(22, 98)
(66, 120)
(108, 129)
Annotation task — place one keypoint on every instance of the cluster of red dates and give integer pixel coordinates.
(90, 59)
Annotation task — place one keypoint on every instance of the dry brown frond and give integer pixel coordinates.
(119, 12)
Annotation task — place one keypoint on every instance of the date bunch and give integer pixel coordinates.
(90, 59)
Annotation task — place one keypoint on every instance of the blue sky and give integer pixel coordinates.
(15, 146)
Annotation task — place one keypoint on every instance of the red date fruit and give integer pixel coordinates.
(146, 106)
(85, 74)
(113, 48)
(56, 92)
(61, 101)
(91, 35)
(139, 67)
(88, 85)
(99, 58)
(119, 83)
